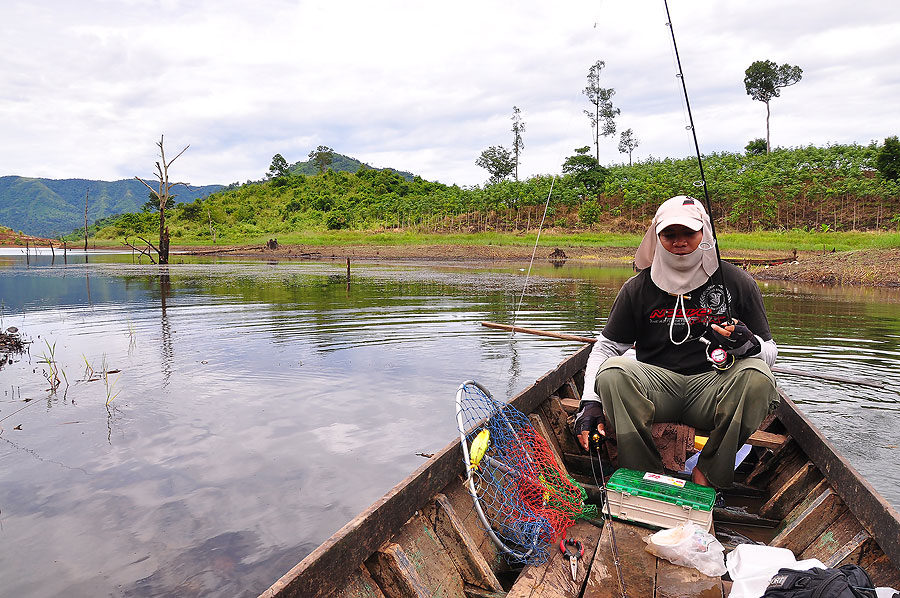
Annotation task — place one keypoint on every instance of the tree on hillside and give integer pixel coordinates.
(162, 194)
(602, 115)
(764, 80)
(498, 161)
(518, 145)
(278, 168)
(586, 170)
(888, 159)
(628, 143)
(322, 156)
(755, 147)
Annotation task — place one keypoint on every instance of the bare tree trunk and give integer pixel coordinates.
(768, 113)
(163, 194)
(212, 232)
(86, 194)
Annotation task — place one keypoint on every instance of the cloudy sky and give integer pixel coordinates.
(88, 86)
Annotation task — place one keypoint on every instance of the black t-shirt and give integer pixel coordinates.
(642, 314)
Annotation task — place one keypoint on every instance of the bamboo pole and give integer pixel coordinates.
(567, 337)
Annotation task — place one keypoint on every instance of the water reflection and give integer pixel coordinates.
(263, 405)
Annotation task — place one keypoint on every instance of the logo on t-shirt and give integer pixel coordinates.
(713, 299)
(710, 311)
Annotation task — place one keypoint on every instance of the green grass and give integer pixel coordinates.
(344, 237)
(785, 241)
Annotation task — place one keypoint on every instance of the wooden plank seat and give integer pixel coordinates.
(674, 440)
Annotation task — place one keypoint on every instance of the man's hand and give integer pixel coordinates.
(584, 437)
(590, 418)
(736, 339)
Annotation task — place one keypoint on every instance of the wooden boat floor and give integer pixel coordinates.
(643, 573)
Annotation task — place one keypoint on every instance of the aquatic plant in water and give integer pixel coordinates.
(53, 371)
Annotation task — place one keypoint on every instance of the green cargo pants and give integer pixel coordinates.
(728, 404)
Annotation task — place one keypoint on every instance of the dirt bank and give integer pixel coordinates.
(450, 252)
(430, 253)
(871, 267)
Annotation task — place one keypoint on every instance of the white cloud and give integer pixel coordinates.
(90, 86)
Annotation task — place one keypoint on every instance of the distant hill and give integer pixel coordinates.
(50, 207)
(342, 163)
(10, 238)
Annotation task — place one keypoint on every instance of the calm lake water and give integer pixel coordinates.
(257, 407)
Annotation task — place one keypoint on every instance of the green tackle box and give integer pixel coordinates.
(658, 500)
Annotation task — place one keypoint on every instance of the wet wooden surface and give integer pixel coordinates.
(361, 585)
(460, 545)
(553, 579)
(417, 554)
(674, 581)
(811, 523)
(792, 492)
(638, 566)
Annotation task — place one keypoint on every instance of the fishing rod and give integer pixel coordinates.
(594, 443)
(702, 181)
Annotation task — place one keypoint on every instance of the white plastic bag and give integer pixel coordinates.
(690, 546)
(751, 566)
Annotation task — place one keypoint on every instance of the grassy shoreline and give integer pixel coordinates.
(785, 241)
(831, 258)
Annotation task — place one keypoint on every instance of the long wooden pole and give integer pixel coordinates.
(775, 369)
(566, 337)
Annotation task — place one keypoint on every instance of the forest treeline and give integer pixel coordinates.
(836, 187)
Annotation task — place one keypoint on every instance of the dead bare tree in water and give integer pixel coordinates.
(163, 194)
(87, 194)
(146, 250)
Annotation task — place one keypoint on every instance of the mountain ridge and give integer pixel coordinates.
(52, 207)
(49, 208)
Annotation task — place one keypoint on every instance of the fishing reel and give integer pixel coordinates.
(595, 442)
(717, 356)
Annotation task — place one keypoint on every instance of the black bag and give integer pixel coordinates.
(848, 581)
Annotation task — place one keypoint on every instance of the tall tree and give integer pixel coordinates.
(278, 168)
(603, 114)
(498, 161)
(628, 143)
(163, 193)
(322, 156)
(764, 80)
(518, 145)
(888, 159)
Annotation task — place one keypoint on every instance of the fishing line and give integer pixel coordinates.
(595, 442)
(546, 208)
(702, 181)
(533, 253)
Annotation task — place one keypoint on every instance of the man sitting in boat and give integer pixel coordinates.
(667, 312)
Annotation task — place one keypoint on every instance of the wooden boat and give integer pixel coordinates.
(746, 262)
(423, 537)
